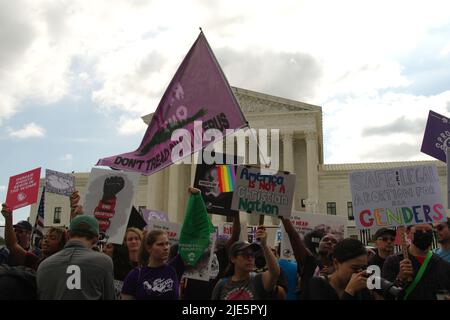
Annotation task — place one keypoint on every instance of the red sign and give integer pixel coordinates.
(23, 189)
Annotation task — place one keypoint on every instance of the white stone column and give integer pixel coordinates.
(288, 150)
(155, 189)
(312, 155)
(173, 196)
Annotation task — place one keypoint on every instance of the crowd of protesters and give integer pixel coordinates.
(67, 264)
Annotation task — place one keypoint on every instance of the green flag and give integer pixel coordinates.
(196, 230)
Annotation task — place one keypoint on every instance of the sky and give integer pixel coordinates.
(76, 76)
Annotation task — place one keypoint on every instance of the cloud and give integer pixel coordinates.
(354, 126)
(393, 152)
(30, 130)
(67, 157)
(289, 75)
(400, 125)
(129, 126)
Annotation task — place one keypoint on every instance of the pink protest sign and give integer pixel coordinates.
(23, 189)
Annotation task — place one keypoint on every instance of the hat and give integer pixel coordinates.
(383, 231)
(84, 224)
(242, 245)
(25, 225)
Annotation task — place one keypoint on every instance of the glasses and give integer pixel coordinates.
(246, 254)
(386, 239)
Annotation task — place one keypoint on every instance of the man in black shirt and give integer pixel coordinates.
(384, 240)
(403, 271)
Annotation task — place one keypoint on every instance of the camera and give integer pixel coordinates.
(387, 289)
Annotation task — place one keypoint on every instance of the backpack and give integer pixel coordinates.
(17, 283)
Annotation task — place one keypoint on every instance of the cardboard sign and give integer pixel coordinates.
(263, 194)
(109, 196)
(225, 230)
(396, 197)
(172, 229)
(59, 183)
(312, 227)
(23, 189)
(153, 214)
(216, 182)
(436, 138)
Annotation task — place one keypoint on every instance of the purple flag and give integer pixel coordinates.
(437, 136)
(198, 92)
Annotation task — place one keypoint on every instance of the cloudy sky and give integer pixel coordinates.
(76, 76)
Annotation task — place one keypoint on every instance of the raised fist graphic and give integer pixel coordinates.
(106, 206)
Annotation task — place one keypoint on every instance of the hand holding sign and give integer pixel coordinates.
(6, 211)
(261, 235)
(406, 270)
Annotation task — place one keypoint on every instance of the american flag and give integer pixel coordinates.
(39, 224)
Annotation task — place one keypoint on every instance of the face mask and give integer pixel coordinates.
(423, 240)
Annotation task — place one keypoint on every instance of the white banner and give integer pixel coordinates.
(398, 196)
(307, 223)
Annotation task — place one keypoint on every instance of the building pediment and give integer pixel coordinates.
(256, 102)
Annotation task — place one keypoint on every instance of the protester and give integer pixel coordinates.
(307, 264)
(384, 239)
(77, 272)
(241, 282)
(109, 249)
(443, 233)
(405, 272)
(17, 283)
(349, 278)
(157, 278)
(54, 240)
(126, 257)
(23, 230)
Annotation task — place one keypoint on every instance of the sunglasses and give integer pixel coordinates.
(386, 239)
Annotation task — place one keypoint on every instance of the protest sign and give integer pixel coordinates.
(109, 196)
(23, 189)
(216, 182)
(172, 229)
(396, 197)
(263, 193)
(311, 228)
(436, 138)
(148, 214)
(225, 230)
(59, 183)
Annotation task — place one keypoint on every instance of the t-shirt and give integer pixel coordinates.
(376, 260)
(161, 283)
(444, 254)
(249, 289)
(290, 270)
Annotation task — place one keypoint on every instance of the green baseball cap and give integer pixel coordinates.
(84, 224)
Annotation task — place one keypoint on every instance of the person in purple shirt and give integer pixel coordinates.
(157, 278)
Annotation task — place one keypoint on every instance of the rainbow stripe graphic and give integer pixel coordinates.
(227, 176)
